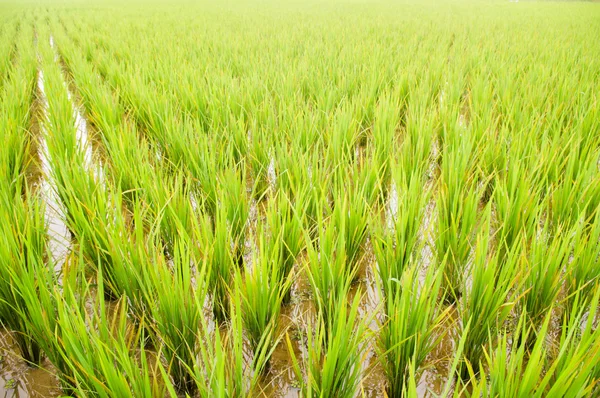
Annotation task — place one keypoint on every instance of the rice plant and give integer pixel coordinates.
(329, 276)
(515, 205)
(114, 368)
(173, 306)
(547, 258)
(491, 295)
(583, 273)
(396, 250)
(287, 238)
(349, 219)
(235, 203)
(412, 327)
(260, 160)
(336, 350)
(23, 248)
(516, 371)
(221, 267)
(263, 289)
(513, 371)
(458, 201)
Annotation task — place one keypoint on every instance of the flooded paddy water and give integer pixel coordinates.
(19, 380)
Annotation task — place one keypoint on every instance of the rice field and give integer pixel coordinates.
(329, 198)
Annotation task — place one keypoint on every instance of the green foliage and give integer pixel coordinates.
(226, 194)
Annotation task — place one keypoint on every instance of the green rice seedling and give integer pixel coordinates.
(262, 291)
(575, 369)
(287, 238)
(287, 174)
(373, 189)
(17, 163)
(589, 335)
(312, 197)
(235, 202)
(495, 139)
(7, 47)
(412, 327)
(575, 187)
(245, 374)
(177, 135)
(396, 250)
(171, 205)
(491, 295)
(15, 103)
(129, 160)
(417, 142)
(173, 299)
(513, 371)
(41, 294)
(457, 210)
(114, 368)
(130, 248)
(222, 263)
(79, 193)
(223, 368)
(293, 174)
(457, 361)
(339, 173)
(308, 170)
(210, 373)
(349, 219)
(202, 164)
(515, 197)
(343, 136)
(583, 272)
(304, 135)
(259, 161)
(411, 383)
(336, 349)
(132, 251)
(328, 273)
(103, 233)
(23, 238)
(153, 113)
(95, 221)
(384, 137)
(548, 256)
(215, 374)
(261, 299)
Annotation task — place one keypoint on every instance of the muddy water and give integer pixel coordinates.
(373, 383)
(17, 379)
(434, 377)
(281, 381)
(59, 236)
